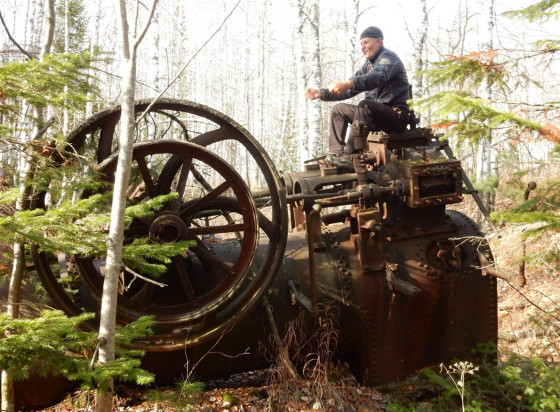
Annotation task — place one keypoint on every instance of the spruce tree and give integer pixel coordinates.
(542, 211)
(458, 107)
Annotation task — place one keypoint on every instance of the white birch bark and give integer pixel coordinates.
(302, 105)
(419, 62)
(94, 41)
(486, 155)
(8, 395)
(314, 142)
(66, 115)
(7, 402)
(352, 35)
(107, 321)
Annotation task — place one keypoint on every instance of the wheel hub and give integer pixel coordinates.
(168, 228)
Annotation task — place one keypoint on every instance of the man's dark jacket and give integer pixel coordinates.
(382, 78)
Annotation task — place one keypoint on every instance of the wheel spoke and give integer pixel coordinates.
(212, 136)
(106, 135)
(212, 230)
(146, 176)
(144, 295)
(266, 224)
(206, 257)
(182, 182)
(135, 232)
(184, 277)
(204, 201)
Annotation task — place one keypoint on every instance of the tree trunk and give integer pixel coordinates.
(302, 81)
(419, 62)
(18, 266)
(8, 400)
(107, 320)
(66, 118)
(107, 324)
(315, 142)
(486, 156)
(352, 22)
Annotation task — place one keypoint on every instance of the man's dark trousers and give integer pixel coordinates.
(377, 116)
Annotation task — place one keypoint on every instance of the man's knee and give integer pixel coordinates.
(340, 109)
(345, 110)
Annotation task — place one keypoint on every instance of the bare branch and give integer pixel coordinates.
(12, 39)
(190, 370)
(282, 349)
(148, 22)
(137, 275)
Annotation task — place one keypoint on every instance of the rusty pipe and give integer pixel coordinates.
(313, 232)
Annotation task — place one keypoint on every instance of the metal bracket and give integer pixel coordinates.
(396, 283)
(297, 297)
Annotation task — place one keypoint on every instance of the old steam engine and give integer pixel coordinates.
(368, 235)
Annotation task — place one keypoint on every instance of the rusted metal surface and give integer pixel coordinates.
(405, 272)
(38, 392)
(369, 234)
(218, 282)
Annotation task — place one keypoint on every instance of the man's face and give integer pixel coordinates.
(370, 46)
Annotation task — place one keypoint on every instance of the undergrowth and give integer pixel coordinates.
(516, 384)
(322, 382)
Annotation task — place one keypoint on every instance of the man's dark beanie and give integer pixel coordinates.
(372, 31)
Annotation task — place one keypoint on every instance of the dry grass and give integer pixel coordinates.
(323, 385)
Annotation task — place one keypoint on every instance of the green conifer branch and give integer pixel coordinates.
(80, 229)
(543, 10)
(468, 71)
(54, 343)
(474, 116)
(59, 80)
(540, 214)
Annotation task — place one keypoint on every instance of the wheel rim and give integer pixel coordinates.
(176, 222)
(273, 220)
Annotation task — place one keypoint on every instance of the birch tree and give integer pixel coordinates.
(313, 135)
(352, 34)
(355, 13)
(18, 266)
(303, 107)
(486, 155)
(419, 62)
(130, 41)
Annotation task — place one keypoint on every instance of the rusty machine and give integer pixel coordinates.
(369, 234)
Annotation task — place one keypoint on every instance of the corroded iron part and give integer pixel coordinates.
(184, 315)
(406, 274)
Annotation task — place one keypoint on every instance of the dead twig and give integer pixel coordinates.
(282, 349)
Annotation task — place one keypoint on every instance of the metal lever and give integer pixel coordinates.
(444, 145)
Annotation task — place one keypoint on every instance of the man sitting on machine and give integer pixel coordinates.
(383, 79)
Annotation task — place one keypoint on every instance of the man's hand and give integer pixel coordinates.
(313, 94)
(340, 87)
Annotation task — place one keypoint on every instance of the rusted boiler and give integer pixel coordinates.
(369, 233)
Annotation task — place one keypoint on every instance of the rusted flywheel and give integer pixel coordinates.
(239, 245)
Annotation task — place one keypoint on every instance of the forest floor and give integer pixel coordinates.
(520, 310)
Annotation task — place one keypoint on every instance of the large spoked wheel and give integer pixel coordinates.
(215, 283)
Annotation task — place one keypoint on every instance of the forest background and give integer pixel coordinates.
(252, 60)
